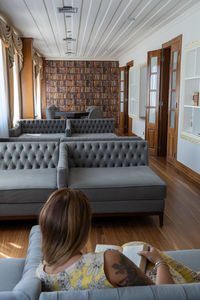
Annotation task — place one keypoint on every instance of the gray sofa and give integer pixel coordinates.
(114, 175)
(28, 172)
(46, 130)
(90, 128)
(18, 281)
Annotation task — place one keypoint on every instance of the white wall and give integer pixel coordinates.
(188, 25)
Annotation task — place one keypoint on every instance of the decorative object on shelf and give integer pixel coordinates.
(196, 98)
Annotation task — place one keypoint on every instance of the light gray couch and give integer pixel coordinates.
(28, 172)
(35, 130)
(114, 175)
(18, 281)
(89, 128)
(17, 275)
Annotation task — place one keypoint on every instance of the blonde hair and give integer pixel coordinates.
(65, 224)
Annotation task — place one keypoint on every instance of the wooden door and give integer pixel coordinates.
(173, 104)
(123, 100)
(152, 108)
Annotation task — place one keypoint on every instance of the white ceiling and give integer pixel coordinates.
(101, 27)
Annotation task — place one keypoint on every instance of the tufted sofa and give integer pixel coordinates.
(49, 130)
(115, 176)
(28, 172)
(89, 128)
(18, 280)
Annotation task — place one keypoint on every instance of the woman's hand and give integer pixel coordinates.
(152, 255)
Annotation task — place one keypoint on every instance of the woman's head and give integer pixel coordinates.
(65, 223)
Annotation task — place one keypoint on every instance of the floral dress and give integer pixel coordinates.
(86, 273)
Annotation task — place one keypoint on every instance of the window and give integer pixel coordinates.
(137, 91)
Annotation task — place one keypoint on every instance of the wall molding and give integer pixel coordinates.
(189, 173)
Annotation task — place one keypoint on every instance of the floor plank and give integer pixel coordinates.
(181, 221)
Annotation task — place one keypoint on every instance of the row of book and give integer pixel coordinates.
(82, 89)
(85, 83)
(82, 70)
(89, 77)
(82, 64)
(81, 95)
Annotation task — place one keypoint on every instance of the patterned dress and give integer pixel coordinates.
(86, 273)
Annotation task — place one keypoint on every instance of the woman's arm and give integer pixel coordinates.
(121, 271)
(163, 275)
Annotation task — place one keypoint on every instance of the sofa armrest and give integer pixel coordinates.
(30, 285)
(68, 128)
(15, 131)
(62, 169)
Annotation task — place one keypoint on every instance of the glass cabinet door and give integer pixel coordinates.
(153, 100)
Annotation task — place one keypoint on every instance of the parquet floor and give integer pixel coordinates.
(181, 228)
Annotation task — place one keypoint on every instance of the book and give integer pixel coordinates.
(129, 251)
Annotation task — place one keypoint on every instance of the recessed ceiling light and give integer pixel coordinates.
(69, 52)
(67, 9)
(131, 19)
(69, 39)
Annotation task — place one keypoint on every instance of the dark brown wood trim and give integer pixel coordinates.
(130, 63)
(189, 173)
(130, 125)
(160, 214)
(18, 217)
(174, 40)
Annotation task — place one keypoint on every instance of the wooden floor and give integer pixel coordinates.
(181, 228)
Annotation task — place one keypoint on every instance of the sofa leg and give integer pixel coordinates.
(161, 219)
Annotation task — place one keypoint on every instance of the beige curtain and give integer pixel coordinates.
(12, 45)
(38, 76)
(4, 97)
(12, 42)
(17, 90)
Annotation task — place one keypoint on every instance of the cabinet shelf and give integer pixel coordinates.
(191, 113)
(191, 106)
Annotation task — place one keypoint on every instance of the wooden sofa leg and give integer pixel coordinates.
(161, 219)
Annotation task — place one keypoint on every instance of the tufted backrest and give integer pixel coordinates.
(107, 154)
(42, 126)
(92, 125)
(28, 155)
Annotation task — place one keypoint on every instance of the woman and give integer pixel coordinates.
(65, 224)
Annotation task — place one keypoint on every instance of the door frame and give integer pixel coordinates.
(169, 44)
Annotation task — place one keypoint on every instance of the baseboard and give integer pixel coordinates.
(189, 173)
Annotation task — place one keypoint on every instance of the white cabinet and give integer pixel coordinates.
(137, 91)
(191, 91)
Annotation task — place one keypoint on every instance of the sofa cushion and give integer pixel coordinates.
(115, 184)
(40, 136)
(94, 135)
(28, 179)
(11, 272)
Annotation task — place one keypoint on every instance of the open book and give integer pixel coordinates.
(128, 250)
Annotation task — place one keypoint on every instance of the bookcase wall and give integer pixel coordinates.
(75, 85)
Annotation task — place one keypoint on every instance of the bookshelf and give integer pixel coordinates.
(191, 93)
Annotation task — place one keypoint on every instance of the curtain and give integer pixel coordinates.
(17, 90)
(4, 98)
(39, 97)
